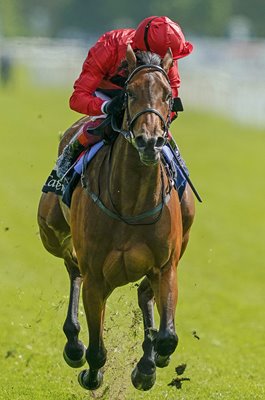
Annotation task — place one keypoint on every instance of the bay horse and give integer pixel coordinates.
(125, 223)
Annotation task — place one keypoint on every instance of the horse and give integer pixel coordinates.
(125, 224)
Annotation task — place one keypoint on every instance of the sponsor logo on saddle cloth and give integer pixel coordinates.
(60, 186)
(54, 184)
(66, 187)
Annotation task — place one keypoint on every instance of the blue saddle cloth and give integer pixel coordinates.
(66, 188)
(180, 180)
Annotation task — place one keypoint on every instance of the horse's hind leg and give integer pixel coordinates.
(74, 351)
(56, 238)
(144, 374)
(188, 212)
(94, 298)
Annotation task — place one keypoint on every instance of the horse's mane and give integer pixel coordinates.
(143, 58)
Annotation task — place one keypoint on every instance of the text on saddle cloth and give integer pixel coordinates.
(65, 188)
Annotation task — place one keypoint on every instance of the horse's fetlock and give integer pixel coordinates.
(96, 360)
(166, 343)
(71, 329)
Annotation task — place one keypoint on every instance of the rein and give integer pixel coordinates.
(129, 136)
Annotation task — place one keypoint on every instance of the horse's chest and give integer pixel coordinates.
(130, 262)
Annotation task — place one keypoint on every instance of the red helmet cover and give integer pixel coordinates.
(160, 33)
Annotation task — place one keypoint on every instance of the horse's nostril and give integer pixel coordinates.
(149, 144)
(160, 142)
(140, 141)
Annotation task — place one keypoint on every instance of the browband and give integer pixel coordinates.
(146, 66)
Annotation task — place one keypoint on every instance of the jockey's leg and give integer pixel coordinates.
(79, 142)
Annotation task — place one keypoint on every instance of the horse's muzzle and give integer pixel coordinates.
(149, 148)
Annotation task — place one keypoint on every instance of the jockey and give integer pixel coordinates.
(102, 77)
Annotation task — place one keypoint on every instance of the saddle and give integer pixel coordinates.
(97, 133)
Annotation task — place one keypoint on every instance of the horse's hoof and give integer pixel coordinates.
(162, 361)
(88, 382)
(142, 381)
(80, 359)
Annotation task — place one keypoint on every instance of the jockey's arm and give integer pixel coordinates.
(83, 99)
(174, 79)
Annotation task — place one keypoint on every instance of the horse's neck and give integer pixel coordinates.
(134, 187)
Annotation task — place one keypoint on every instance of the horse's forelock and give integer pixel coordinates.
(147, 58)
(143, 58)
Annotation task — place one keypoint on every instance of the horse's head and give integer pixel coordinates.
(148, 103)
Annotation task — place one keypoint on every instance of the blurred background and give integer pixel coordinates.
(221, 134)
(51, 39)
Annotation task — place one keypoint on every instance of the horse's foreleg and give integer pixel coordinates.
(94, 298)
(74, 351)
(144, 374)
(166, 293)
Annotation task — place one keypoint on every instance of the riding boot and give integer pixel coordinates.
(89, 134)
(177, 166)
(69, 155)
(175, 147)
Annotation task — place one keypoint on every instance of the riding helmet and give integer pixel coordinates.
(157, 34)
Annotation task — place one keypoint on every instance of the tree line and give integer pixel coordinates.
(86, 17)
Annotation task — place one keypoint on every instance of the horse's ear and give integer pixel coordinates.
(167, 61)
(131, 58)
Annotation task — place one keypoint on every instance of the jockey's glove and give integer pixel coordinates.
(113, 106)
(177, 104)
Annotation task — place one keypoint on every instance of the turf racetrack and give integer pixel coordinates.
(220, 314)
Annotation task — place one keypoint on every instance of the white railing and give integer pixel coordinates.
(226, 77)
(223, 76)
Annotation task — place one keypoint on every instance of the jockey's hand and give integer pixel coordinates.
(114, 106)
(173, 116)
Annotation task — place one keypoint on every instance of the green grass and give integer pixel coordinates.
(221, 277)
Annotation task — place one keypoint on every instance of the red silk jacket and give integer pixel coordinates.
(100, 65)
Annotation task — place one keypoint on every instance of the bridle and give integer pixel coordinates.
(129, 134)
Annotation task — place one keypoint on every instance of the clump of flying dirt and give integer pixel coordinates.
(123, 334)
(177, 382)
(195, 335)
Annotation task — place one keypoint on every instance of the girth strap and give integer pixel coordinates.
(127, 219)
